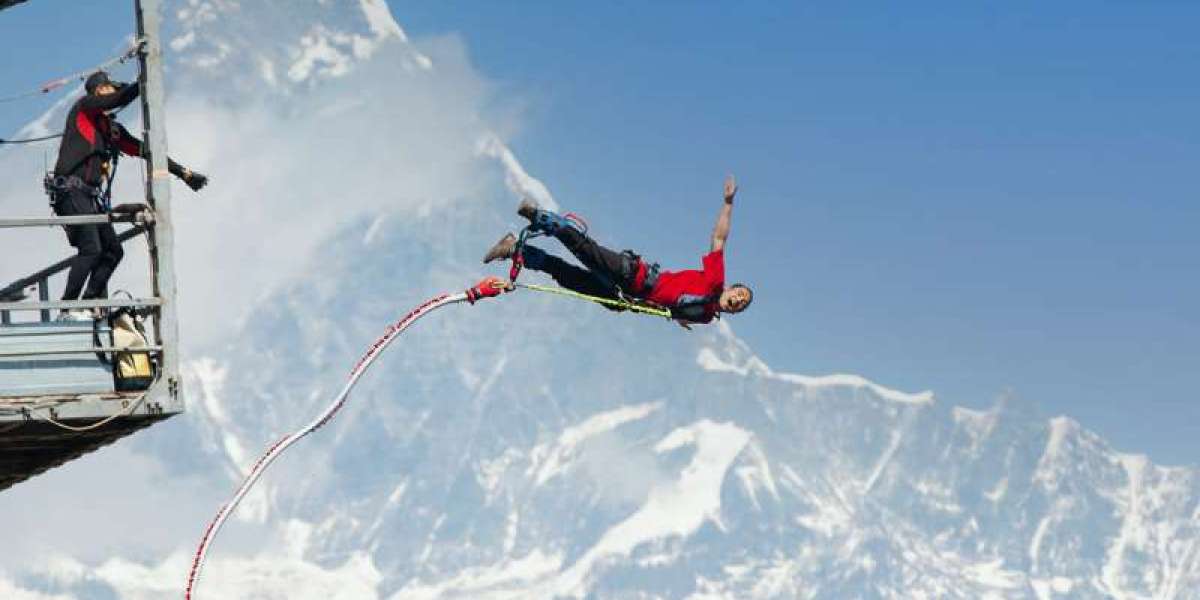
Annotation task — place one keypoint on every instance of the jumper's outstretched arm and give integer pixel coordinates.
(721, 231)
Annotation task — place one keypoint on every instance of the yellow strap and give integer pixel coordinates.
(638, 308)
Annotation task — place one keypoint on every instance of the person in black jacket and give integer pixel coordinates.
(90, 144)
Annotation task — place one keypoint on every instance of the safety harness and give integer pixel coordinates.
(620, 301)
(57, 186)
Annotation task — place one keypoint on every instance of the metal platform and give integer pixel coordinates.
(58, 397)
(29, 445)
(38, 359)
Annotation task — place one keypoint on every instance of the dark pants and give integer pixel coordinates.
(606, 269)
(99, 250)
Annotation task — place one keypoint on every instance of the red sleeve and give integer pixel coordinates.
(86, 126)
(714, 268)
(127, 143)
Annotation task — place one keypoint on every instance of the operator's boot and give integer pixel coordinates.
(541, 220)
(503, 249)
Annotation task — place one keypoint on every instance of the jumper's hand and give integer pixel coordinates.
(683, 324)
(194, 180)
(730, 189)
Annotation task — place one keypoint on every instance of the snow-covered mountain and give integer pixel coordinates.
(282, 46)
(534, 447)
(538, 447)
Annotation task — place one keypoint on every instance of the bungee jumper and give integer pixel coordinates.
(82, 184)
(623, 280)
(691, 296)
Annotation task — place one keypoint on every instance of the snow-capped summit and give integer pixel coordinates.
(282, 45)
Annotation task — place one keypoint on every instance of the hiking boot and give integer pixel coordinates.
(542, 221)
(503, 249)
(528, 209)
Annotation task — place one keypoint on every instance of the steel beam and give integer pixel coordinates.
(77, 304)
(158, 194)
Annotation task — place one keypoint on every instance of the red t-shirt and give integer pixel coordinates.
(676, 288)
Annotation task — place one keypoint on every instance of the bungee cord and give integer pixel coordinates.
(488, 287)
(256, 471)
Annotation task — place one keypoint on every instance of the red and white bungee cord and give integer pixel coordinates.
(486, 288)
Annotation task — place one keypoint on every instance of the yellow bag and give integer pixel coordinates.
(131, 370)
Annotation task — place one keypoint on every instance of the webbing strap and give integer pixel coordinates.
(625, 304)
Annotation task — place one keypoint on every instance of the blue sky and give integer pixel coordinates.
(969, 199)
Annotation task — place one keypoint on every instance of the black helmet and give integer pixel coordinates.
(96, 80)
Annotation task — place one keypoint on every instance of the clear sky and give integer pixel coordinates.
(968, 198)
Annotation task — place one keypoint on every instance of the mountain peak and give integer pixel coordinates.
(726, 353)
(284, 45)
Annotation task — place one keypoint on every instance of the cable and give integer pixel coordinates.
(54, 84)
(98, 424)
(31, 140)
(31, 413)
(53, 136)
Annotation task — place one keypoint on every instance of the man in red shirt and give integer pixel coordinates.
(693, 296)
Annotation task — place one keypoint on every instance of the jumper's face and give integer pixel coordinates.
(734, 299)
(105, 89)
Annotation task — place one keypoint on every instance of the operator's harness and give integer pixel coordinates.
(59, 186)
(619, 302)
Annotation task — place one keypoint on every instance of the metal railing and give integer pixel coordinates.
(93, 350)
(136, 214)
(12, 296)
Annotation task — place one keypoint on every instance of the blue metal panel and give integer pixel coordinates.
(79, 372)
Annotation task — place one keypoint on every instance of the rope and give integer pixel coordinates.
(54, 84)
(625, 304)
(98, 424)
(29, 141)
(31, 412)
(373, 352)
